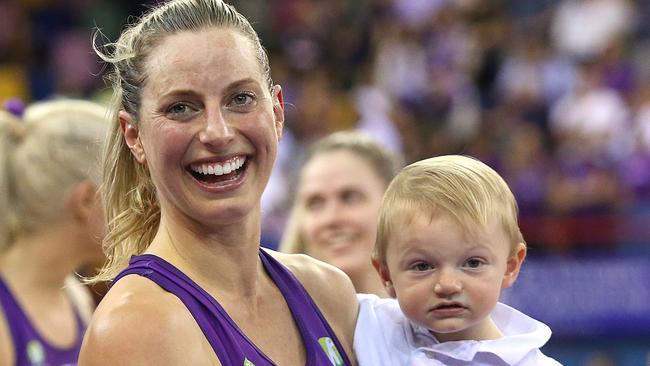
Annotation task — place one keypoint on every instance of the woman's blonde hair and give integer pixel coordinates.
(42, 156)
(384, 163)
(132, 208)
(468, 190)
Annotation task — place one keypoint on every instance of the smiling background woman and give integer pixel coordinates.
(335, 211)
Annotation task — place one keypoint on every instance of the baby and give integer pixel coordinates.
(448, 242)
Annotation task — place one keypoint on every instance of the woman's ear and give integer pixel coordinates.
(513, 265)
(278, 109)
(384, 274)
(83, 200)
(132, 136)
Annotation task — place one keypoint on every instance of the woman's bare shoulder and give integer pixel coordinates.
(137, 322)
(314, 274)
(330, 288)
(6, 343)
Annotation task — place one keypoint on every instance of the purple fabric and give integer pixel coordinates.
(230, 344)
(30, 348)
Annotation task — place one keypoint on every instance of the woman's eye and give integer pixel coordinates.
(314, 204)
(351, 196)
(243, 100)
(180, 111)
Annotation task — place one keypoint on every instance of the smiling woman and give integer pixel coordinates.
(334, 217)
(195, 133)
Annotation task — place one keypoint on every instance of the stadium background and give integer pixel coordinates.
(553, 94)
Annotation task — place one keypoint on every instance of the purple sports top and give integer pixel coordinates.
(30, 348)
(230, 344)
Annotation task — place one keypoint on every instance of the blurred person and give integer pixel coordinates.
(334, 216)
(194, 137)
(533, 76)
(51, 225)
(526, 166)
(447, 244)
(592, 117)
(607, 21)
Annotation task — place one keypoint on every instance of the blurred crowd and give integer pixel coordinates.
(554, 94)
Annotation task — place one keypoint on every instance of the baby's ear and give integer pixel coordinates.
(513, 265)
(384, 274)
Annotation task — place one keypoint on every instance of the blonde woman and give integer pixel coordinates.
(195, 134)
(51, 225)
(334, 216)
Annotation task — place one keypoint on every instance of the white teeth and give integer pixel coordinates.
(219, 168)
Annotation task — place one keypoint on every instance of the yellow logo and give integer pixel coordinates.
(329, 347)
(35, 352)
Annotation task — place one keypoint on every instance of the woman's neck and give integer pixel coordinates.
(41, 260)
(223, 259)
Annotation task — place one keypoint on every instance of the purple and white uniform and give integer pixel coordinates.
(230, 344)
(30, 348)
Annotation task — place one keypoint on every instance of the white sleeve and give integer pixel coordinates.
(537, 358)
(379, 338)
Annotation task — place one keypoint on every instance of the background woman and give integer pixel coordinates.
(51, 224)
(334, 217)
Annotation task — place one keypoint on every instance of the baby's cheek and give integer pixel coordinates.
(411, 303)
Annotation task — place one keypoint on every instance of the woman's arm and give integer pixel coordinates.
(6, 344)
(137, 323)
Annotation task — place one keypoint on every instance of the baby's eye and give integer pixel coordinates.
(474, 263)
(421, 266)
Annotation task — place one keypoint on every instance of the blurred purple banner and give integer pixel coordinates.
(585, 297)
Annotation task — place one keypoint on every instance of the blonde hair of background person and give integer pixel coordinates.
(346, 173)
(448, 243)
(51, 222)
(193, 93)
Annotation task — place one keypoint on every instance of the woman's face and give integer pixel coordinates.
(339, 195)
(209, 126)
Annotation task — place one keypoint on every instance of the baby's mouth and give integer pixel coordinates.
(449, 306)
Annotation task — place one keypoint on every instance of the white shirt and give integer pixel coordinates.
(384, 336)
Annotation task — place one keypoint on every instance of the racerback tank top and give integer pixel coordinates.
(29, 346)
(231, 345)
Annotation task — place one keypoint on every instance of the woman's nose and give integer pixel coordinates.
(216, 129)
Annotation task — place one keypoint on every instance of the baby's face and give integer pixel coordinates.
(448, 281)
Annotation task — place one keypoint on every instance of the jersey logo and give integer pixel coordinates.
(332, 353)
(247, 362)
(35, 352)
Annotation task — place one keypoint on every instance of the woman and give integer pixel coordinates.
(51, 225)
(334, 217)
(195, 135)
